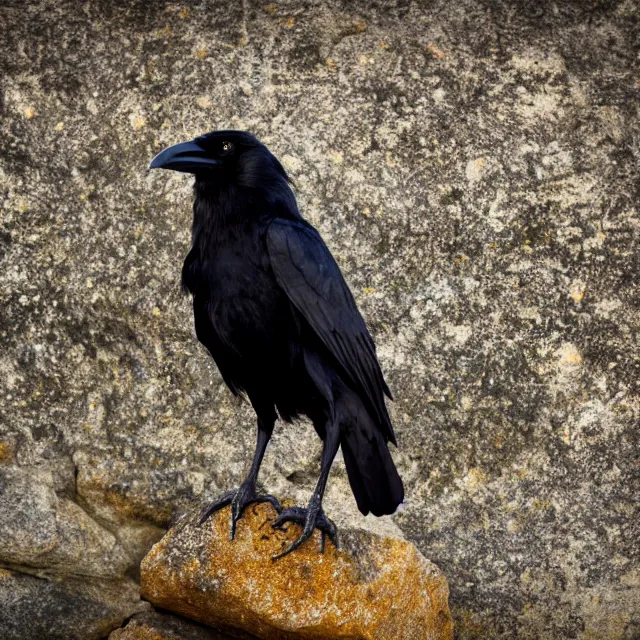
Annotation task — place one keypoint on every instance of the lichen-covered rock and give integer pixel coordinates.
(373, 588)
(34, 608)
(152, 625)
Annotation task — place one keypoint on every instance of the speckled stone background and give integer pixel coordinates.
(473, 165)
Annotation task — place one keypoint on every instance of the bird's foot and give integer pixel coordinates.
(239, 500)
(311, 518)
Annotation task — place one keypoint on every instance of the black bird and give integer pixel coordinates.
(271, 306)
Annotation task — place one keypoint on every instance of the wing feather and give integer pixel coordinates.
(309, 275)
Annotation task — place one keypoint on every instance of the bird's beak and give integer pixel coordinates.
(188, 157)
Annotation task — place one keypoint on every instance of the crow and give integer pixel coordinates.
(271, 306)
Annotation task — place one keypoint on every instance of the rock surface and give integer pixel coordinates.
(474, 168)
(373, 588)
(152, 625)
(69, 574)
(53, 534)
(33, 608)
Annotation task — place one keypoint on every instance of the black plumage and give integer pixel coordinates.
(273, 309)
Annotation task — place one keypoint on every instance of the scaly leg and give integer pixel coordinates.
(313, 516)
(246, 493)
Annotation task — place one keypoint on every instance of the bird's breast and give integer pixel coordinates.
(236, 280)
(223, 265)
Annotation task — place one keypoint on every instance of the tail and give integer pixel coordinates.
(373, 477)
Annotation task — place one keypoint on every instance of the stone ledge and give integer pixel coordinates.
(373, 588)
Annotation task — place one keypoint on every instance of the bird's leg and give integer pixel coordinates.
(313, 516)
(246, 494)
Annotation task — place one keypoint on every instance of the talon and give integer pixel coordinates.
(239, 500)
(222, 502)
(290, 514)
(310, 519)
(273, 501)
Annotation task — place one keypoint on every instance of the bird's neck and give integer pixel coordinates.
(217, 207)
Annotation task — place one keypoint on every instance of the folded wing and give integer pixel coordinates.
(311, 278)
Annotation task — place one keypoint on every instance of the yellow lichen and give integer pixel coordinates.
(435, 51)
(474, 478)
(576, 290)
(569, 355)
(100, 485)
(6, 452)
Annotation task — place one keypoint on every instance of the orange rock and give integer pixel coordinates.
(373, 588)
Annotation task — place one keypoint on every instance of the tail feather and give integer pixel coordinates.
(372, 474)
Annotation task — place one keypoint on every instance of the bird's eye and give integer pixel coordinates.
(227, 147)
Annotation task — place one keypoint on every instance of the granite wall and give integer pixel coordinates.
(473, 165)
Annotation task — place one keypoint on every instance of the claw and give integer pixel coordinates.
(272, 500)
(239, 501)
(220, 503)
(310, 519)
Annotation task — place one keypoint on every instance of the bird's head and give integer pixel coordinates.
(224, 158)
